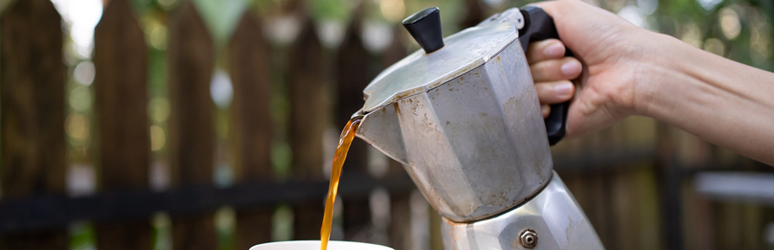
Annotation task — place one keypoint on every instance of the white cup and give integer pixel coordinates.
(315, 245)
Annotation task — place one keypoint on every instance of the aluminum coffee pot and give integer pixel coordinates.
(463, 117)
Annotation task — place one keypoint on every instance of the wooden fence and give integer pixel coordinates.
(633, 180)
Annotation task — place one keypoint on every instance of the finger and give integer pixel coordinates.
(555, 92)
(545, 50)
(567, 68)
(546, 109)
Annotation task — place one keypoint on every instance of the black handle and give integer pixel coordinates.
(425, 27)
(538, 25)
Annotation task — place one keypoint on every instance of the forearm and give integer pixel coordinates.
(724, 102)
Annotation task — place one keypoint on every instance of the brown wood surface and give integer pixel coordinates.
(191, 133)
(353, 73)
(399, 231)
(621, 212)
(309, 117)
(120, 59)
(667, 159)
(309, 104)
(32, 82)
(474, 13)
(739, 225)
(699, 223)
(639, 133)
(251, 133)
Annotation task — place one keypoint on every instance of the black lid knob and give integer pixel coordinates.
(425, 27)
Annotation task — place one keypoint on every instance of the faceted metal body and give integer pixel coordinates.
(465, 122)
(553, 215)
(475, 144)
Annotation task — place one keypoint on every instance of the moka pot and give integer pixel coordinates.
(463, 117)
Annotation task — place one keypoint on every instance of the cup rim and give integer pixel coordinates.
(255, 247)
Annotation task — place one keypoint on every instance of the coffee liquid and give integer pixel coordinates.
(345, 140)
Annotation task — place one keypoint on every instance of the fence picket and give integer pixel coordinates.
(32, 81)
(352, 71)
(309, 117)
(120, 59)
(192, 135)
(474, 13)
(251, 133)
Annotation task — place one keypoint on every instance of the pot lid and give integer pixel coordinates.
(441, 61)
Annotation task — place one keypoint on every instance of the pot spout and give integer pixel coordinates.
(381, 129)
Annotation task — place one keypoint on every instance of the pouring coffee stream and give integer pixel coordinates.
(345, 140)
(462, 117)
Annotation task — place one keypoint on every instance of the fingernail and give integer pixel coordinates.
(563, 89)
(571, 68)
(554, 50)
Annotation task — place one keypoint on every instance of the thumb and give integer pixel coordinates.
(584, 117)
(579, 23)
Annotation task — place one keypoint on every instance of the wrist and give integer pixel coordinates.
(653, 70)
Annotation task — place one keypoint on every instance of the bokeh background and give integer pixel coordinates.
(210, 124)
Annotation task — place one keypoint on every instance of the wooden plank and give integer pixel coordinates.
(739, 224)
(310, 104)
(120, 58)
(668, 170)
(193, 232)
(191, 134)
(600, 208)
(648, 214)
(32, 80)
(309, 117)
(597, 184)
(250, 109)
(700, 224)
(353, 72)
(35, 212)
(251, 126)
(729, 231)
(623, 211)
(697, 211)
(623, 205)
(399, 231)
(639, 133)
(474, 13)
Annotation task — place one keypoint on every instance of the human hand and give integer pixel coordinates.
(610, 55)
